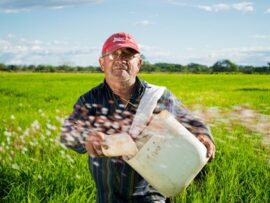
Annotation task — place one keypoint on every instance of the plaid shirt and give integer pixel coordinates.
(116, 181)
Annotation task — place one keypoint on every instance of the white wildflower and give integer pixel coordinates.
(26, 132)
(8, 140)
(69, 158)
(24, 150)
(15, 166)
(63, 146)
(7, 133)
(60, 119)
(35, 125)
(32, 143)
(51, 127)
(48, 132)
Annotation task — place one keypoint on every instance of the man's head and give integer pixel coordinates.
(120, 59)
(117, 41)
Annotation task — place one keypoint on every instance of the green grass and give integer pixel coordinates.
(36, 168)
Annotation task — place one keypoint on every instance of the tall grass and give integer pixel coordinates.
(35, 167)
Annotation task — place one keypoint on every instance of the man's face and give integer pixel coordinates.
(121, 65)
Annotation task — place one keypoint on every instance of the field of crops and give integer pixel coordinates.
(35, 167)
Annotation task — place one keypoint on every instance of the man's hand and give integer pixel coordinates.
(93, 144)
(211, 149)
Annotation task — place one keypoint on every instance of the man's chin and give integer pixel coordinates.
(120, 73)
(122, 76)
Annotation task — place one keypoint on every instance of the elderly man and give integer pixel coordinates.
(116, 181)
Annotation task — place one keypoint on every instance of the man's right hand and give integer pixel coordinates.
(94, 142)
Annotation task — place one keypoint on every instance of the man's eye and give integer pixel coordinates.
(129, 54)
(115, 55)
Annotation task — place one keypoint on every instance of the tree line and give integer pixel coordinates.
(221, 66)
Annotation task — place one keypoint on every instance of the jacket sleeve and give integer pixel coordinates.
(71, 135)
(169, 102)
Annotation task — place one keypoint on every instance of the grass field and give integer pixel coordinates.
(35, 167)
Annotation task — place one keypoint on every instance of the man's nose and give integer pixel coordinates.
(121, 59)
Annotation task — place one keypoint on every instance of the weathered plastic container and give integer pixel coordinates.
(120, 144)
(171, 157)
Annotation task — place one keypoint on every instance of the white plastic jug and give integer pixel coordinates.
(171, 157)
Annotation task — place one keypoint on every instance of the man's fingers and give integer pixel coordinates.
(97, 149)
(209, 146)
(90, 148)
(97, 145)
(211, 151)
(94, 142)
(101, 136)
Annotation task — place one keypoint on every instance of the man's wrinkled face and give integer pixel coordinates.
(121, 65)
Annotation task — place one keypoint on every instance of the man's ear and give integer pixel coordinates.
(101, 64)
(140, 63)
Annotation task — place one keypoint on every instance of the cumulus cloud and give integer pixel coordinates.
(242, 7)
(215, 8)
(14, 6)
(268, 10)
(14, 50)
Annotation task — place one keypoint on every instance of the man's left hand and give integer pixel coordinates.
(210, 146)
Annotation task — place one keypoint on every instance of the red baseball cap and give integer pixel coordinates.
(119, 40)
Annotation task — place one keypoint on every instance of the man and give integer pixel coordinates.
(121, 91)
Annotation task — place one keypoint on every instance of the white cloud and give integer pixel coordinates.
(175, 2)
(24, 51)
(144, 23)
(214, 8)
(257, 55)
(260, 36)
(268, 10)
(154, 53)
(244, 55)
(14, 50)
(15, 6)
(243, 7)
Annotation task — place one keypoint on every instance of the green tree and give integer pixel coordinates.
(3, 67)
(224, 66)
(197, 68)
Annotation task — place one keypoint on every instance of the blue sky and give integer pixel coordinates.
(175, 31)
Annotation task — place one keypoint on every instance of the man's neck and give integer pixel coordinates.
(124, 89)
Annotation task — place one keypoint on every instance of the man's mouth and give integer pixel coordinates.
(121, 68)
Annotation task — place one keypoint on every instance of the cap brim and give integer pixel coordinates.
(119, 46)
